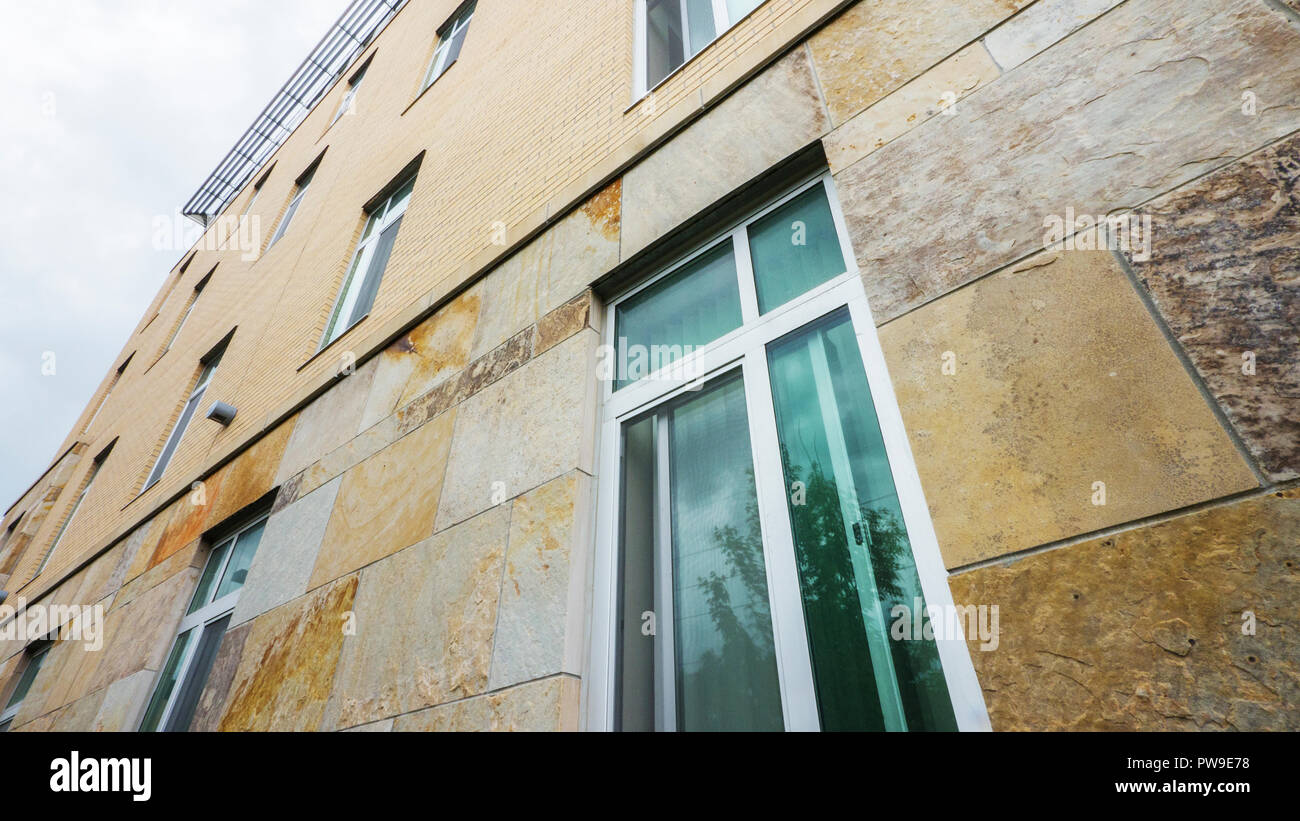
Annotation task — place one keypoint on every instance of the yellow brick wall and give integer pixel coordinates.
(515, 132)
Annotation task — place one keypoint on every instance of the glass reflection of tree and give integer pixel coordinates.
(833, 611)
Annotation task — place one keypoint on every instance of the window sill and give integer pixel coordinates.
(425, 90)
(331, 344)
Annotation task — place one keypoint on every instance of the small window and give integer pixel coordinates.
(257, 192)
(368, 263)
(347, 106)
(191, 405)
(299, 191)
(35, 658)
(451, 37)
(76, 505)
(186, 670)
(677, 30)
(189, 308)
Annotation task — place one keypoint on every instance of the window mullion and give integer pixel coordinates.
(665, 659)
(721, 19)
(745, 271)
(182, 670)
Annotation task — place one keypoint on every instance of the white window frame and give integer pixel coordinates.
(213, 611)
(182, 423)
(745, 348)
(358, 267)
(291, 211)
(36, 657)
(722, 23)
(453, 28)
(349, 98)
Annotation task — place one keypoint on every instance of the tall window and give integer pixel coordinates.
(760, 515)
(76, 505)
(117, 376)
(674, 31)
(368, 263)
(350, 97)
(299, 191)
(208, 370)
(451, 37)
(188, 664)
(189, 308)
(35, 658)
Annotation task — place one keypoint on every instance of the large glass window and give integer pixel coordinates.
(208, 371)
(35, 658)
(756, 540)
(677, 30)
(361, 283)
(179, 685)
(451, 37)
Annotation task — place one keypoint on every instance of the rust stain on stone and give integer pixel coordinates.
(605, 209)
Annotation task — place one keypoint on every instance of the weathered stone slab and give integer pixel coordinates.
(284, 676)
(124, 703)
(433, 351)
(328, 422)
(1144, 630)
(547, 705)
(556, 266)
(521, 431)
(563, 322)
(1139, 102)
(249, 477)
(535, 601)
(1062, 379)
(766, 120)
(1039, 26)
(876, 46)
(435, 647)
(935, 92)
(212, 701)
(79, 716)
(1225, 274)
(387, 502)
(287, 553)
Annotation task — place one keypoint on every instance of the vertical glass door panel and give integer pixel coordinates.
(852, 549)
(692, 556)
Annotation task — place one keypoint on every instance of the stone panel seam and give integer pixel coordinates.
(501, 586)
(462, 699)
(1135, 524)
(1192, 373)
(821, 95)
(1287, 12)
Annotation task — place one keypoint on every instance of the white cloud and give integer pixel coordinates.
(112, 113)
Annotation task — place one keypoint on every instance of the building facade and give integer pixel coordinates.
(710, 364)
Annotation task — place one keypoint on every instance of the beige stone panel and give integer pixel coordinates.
(532, 632)
(968, 194)
(768, 119)
(387, 502)
(876, 46)
(338, 461)
(470, 715)
(1039, 26)
(433, 351)
(329, 421)
(385, 726)
(79, 716)
(249, 477)
(212, 701)
(284, 676)
(435, 647)
(1144, 629)
(193, 555)
(1062, 380)
(549, 705)
(124, 703)
(531, 426)
(934, 92)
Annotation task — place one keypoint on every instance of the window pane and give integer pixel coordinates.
(795, 248)
(196, 676)
(374, 273)
(665, 49)
(208, 582)
(636, 674)
(29, 675)
(726, 659)
(699, 14)
(166, 683)
(240, 559)
(737, 9)
(175, 438)
(850, 577)
(691, 307)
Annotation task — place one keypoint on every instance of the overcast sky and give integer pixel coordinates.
(113, 113)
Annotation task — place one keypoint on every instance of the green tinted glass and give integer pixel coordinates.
(166, 682)
(852, 549)
(794, 249)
